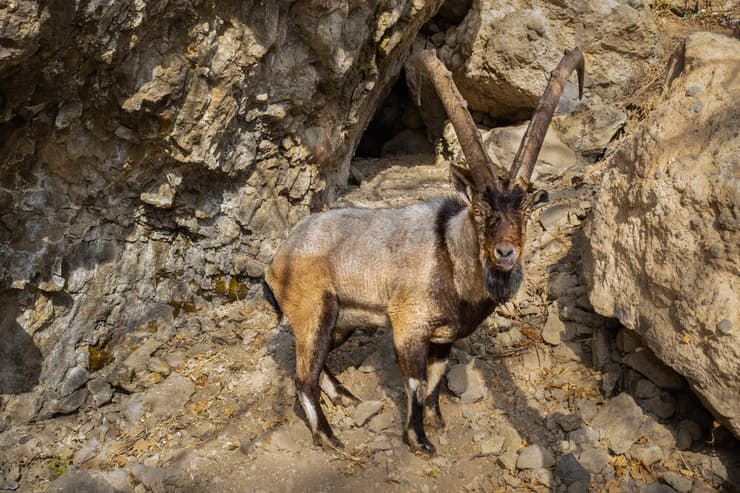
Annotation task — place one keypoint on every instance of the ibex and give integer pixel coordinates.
(432, 271)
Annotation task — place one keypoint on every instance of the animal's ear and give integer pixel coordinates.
(462, 180)
(537, 200)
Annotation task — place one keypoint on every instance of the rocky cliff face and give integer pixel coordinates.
(153, 154)
(664, 235)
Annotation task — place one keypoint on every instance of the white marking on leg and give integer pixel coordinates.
(308, 408)
(414, 384)
(411, 385)
(418, 387)
(328, 386)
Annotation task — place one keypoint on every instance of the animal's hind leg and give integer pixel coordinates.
(313, 341)
(334, 389)
(331, 386)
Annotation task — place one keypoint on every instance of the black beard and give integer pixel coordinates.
(503, 285)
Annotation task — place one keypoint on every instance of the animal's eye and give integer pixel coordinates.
(477, 211)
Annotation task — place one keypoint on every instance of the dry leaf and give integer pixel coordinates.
(142, 445)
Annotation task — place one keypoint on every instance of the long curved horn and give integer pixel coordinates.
(479, 163)
(529, 149)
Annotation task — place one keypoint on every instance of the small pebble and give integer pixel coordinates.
(492, 446)
(693, 90)
(534, 457)
(565, 446)
(647, 454)
(678, 482)
(724, 326)
(697, 107)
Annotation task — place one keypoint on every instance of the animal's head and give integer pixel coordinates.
(500, 217)
(500, 207)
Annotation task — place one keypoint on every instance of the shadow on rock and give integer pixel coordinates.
(20, 358)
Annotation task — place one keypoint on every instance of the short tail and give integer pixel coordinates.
(270, 297)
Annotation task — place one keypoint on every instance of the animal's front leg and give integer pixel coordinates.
(436, 365)
(412, 356)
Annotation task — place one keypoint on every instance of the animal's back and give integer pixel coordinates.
(361, 256)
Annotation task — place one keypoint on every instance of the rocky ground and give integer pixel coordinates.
(545, 396)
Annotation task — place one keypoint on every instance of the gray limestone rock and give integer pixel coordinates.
(492, 445)
(465, 382)
(366, 410)
(648, 454)
(584, 435)
(619, 422)
(381, 422)
(100, 390)
(555, 330)
(678, 481)
(661, 406)
(72, 402)
(601, 348)
(645, 389)
(594, 460)
(651, 367)
(628, 340)
(570, 471)
(535, 457)
(508, 460)
(74, 481)
(527, 38)
(568, 422)
(73, 380)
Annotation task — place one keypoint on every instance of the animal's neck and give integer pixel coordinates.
(462, 245)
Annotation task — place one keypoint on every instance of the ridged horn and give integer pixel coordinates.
(479, 163)
(529, 149)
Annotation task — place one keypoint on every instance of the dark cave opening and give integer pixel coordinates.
(396, 127)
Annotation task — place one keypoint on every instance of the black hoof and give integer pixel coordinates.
(327, 441)
(419, 444)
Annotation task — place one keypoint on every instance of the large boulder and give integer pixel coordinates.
(153, 154)
(664, 239)
(502, 52)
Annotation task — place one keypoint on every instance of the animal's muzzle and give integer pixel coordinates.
(505, 256)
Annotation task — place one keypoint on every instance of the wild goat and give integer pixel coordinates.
(432, 271)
